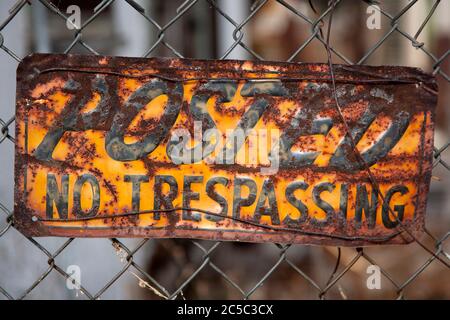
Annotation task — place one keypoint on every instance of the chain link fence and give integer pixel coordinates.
(205, 269)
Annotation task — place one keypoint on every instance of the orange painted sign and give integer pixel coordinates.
(223, 150)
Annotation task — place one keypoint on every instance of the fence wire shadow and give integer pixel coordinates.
(435, 252)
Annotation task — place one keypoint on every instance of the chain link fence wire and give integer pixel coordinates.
(183, 269)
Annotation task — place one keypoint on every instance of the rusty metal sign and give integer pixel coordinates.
(223, 150)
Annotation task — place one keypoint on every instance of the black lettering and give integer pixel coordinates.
(325, 206)
(164, 201)
(262, 91)
(343, 205)
(115, 145)
(60, 198)
(95, 188)
(72, 120)
(189, 195)
(399, 209)
(362, 204)
(238, 201)
(297, 203)
(136, 180)
(225, 91)
(267, 193)
(301, 125)
(344, 156)
(211, 192)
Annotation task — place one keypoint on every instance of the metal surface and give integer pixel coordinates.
(414, 278)
(110, 146)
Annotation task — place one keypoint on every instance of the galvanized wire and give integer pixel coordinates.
(339, 268)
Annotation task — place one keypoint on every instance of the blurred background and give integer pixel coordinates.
(408, 33)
